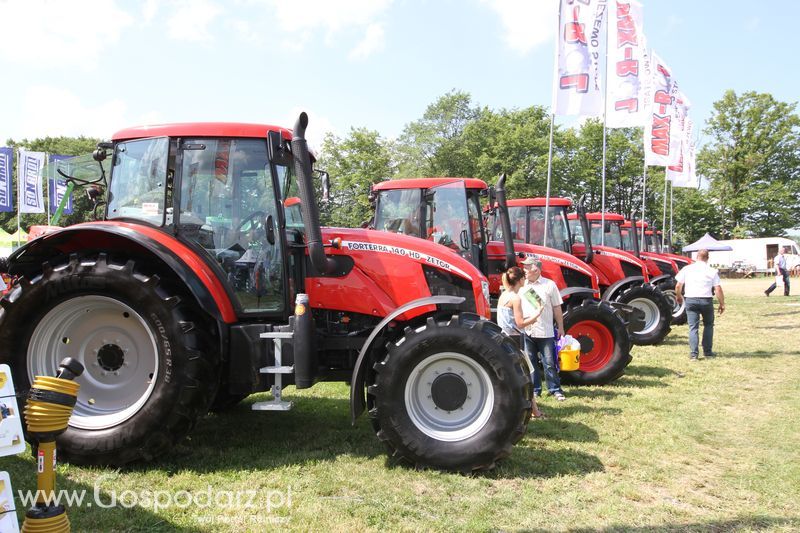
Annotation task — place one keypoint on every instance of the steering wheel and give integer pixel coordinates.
(255, 216)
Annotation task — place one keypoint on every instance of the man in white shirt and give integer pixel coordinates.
(781, 269)
(701, 283)
(540, 292)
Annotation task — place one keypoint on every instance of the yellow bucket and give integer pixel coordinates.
(570, 359)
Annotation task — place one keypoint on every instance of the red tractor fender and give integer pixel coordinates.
(133, 239)
(357, 400)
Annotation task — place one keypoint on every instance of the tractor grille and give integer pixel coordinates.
(666, 268)
(442, 283)
(574, 278)
(629, 269)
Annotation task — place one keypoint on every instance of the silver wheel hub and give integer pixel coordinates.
(116, 347)
(449, 396)
(651, 314)
(677, 308)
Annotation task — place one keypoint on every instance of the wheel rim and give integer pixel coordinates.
(116, 347)
(677, 308)
(449, 396)
(597, 344)
(652, 314)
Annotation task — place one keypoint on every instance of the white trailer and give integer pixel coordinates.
(757, 253)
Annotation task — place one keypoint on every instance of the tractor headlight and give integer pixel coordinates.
(485, 289)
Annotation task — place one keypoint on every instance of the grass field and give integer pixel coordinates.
(674, 445)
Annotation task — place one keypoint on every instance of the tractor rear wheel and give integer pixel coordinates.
(657, 312)
(605, 343)
(151, 366)
(678, 309)
(453, 395)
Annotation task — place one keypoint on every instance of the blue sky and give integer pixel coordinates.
(93, 67)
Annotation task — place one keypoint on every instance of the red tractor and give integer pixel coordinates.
(195, 291)
(448, 211)
(667, 264)
(623, 278)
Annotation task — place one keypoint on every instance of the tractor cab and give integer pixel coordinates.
(527, 218)
(446, 211)
(220, 196)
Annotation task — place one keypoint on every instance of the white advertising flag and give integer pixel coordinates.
(662, 133)
(578, 89)
(684, 174)
(29, 180)
(626, 71)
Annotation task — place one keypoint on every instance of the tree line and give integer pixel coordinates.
(751, 164)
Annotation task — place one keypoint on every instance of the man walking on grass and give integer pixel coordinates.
(701, 283)
(782, 271)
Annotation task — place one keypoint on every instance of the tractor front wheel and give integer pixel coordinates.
(150, 363)
(678, 309)
(605, 343)
(453, 395)
(657, 313)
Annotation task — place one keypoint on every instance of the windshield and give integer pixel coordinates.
(398, 211)
(627, 240)
(613, 237)
(138, 181)
(447, 216)
(527, 225)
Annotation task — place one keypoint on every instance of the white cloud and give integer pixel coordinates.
(190, 20)
(527, 23)
(51, 111)
(301, 19)
(372, 42)
(63, 34)
(150, 10)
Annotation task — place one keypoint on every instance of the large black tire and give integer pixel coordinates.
(150, 358)
(678, 309)
(657, 310)
(605, 343)
(452, 395)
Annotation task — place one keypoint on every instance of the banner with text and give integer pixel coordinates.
(662, 134)
(29, 181)
(578, 88)
(56, 185)
(684, 173)
(627, 68)
(6, 187)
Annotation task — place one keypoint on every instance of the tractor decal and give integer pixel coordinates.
(420, 257)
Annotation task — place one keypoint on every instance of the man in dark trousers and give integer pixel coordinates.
(701, 283)
(780, 270)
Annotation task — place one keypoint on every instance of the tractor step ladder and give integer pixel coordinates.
(279, 369)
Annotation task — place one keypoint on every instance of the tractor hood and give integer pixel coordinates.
(402, 268)
(552, 255)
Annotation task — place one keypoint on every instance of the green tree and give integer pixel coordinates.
(51, 145)
(753, 164)
(433, 144)
(354, 163)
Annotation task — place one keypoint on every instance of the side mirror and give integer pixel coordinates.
(278, 151)
(326, 185)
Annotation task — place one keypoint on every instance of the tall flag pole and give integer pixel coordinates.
(644, 189)
(671, 211)
(664, 217)
(552, 122)
(603, 172)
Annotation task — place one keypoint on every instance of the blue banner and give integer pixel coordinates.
(6, 188)
(57, 186)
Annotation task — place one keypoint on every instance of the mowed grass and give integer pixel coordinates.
(673, 445)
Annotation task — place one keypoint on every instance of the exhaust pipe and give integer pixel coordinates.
(308, 204)
(580, 209)
(505, 221)
(635, 237)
